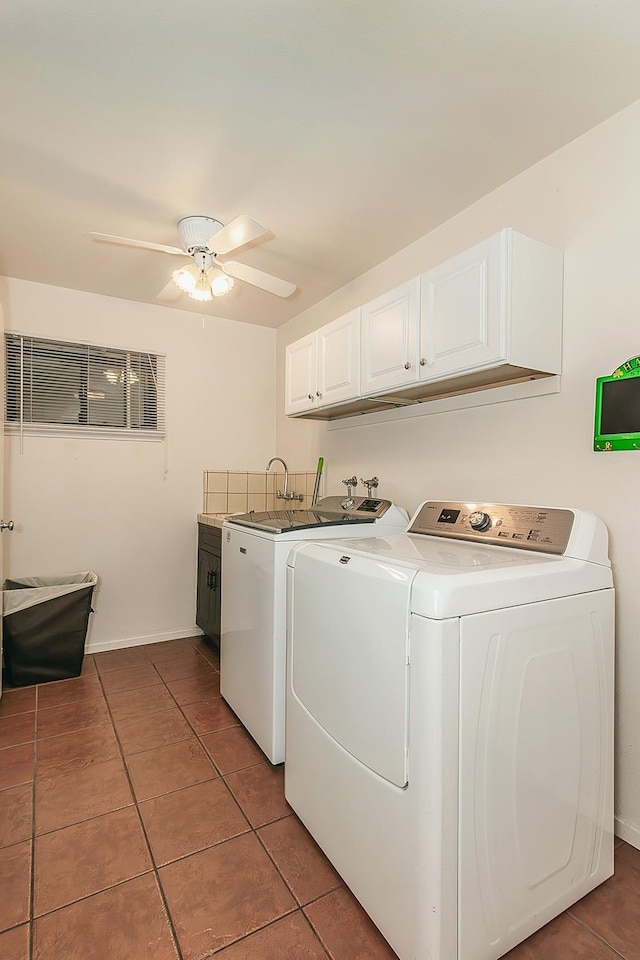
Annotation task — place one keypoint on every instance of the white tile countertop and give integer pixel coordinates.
(213, 519)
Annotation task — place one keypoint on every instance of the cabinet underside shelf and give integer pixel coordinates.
(423, 392)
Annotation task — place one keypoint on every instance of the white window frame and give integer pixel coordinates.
(16, 389)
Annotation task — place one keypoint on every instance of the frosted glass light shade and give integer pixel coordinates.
(185, 278)
(219, 282)
(202, 290)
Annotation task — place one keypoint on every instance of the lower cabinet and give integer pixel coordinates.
(209, 588)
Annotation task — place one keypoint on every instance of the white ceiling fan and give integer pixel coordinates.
(204, 240)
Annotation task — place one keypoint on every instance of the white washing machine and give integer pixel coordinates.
(449, 734)
(255, 547)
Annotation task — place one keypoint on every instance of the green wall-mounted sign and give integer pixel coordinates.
(617, 421)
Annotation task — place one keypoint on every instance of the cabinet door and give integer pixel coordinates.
(215, 593)
(208, 594)
(463, 310)
(203, 597)
(390, 339)
(339, 359)
(300, 374)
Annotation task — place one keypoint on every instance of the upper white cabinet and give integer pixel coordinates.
(338, 368)
(461, 311)
(488, 316)
(300, 374)
(390, 339)
(498, 302)
(324, 367)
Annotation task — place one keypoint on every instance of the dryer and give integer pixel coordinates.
(255, 547)
(449, 738)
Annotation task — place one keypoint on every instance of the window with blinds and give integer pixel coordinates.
(53, 386)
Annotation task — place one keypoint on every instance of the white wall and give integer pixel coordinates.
(107, 505)
(585, 199)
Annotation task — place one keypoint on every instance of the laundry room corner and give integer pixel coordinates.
(583, 199)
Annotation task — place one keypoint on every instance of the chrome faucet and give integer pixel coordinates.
(282, 494)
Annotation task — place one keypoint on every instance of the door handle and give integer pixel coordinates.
(6, 524)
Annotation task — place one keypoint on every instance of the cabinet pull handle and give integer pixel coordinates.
(407, 365)
(214, 580)
(208, 579)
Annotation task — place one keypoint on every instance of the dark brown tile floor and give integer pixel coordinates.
(139, 820)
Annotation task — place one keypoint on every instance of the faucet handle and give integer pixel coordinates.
(370, 484)
(351, 482)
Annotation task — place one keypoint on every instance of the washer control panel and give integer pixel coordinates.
(543, 529)
(363, 507)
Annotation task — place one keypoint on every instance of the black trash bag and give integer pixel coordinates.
(45, 622)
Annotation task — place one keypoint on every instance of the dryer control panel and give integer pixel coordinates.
(542, 529)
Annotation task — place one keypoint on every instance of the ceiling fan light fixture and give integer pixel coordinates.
(204, 240)
(195, 231)
(202, 290)
(219, 282)
(185, 278)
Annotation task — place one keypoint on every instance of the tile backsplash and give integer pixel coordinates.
(238, 491)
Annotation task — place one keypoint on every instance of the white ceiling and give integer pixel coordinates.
(348, 127)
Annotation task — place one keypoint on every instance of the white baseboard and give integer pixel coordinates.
(627, 831)
(139, 641)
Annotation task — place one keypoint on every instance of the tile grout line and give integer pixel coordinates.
(627, 863)
(271, 923)
(208, 755)
(594, 934)
(154, 866)
(32, 878)
(299, 908)
(296, 908)
(220, 776)
(315, 932)
(251, 828)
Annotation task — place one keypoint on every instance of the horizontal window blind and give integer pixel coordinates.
(54, 386)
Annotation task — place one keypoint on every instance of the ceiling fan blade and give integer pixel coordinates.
(169, 292)
(281, 288)
(142, 244)
(237, 232)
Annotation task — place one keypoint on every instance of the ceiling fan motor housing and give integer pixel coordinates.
(195, 231)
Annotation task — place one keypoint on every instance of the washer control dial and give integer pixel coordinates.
(478, 520)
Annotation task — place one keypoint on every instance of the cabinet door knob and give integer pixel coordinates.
(423, 362)
(310, 395)
(407, 365)
(318, 394)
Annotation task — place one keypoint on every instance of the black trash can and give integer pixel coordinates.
(45, 622)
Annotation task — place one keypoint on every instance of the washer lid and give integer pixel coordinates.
(284, 521)
(455, 579)
(329, 512)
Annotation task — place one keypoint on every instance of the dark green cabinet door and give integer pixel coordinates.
(209, 589)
